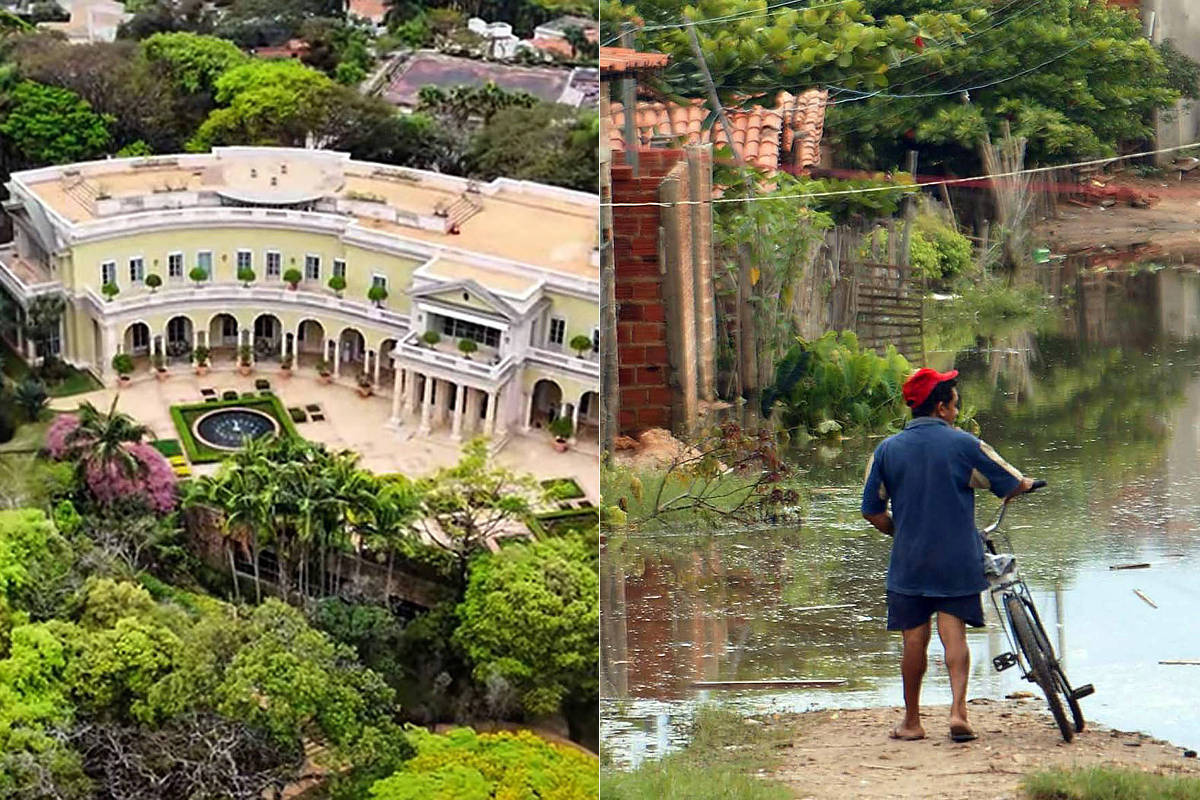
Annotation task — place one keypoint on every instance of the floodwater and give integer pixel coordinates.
(1103, 402)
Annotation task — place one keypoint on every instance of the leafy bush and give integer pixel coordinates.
(338, 284)
(245, 275)
(466, 765)
(830, 384)
(292, 277)
(198, 274)
(431, 337)
(377, 294)
(561, 427)
(935, 249)
(30, 395)
(122, 363)
(467, 346)
(152, 483)
(153, 281)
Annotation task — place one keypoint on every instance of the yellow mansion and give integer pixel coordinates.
(511, 265)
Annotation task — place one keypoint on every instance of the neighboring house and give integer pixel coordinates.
(91, 21)
(292, 48)
(512, 265)
(500, 40)
(786, 136)
(373, 11)
(557, 28)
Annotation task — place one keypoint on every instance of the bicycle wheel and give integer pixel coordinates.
(1056, 670)
(1039, 664)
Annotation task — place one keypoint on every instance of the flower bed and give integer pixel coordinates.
(200, 453)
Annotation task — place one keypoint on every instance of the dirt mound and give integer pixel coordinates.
(847, 753)
(653, 448)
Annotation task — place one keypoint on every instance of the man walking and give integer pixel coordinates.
(929, 472)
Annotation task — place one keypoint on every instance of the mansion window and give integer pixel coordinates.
(339, 268)
(379, 280)
(174, 265)
(137, 270)
(461, 329)
(244, 260)
(312, 268)
(558, 330)
(274, 264)
(204, 261)
(108, 273)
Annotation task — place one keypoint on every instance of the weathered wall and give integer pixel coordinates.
(1179, 22)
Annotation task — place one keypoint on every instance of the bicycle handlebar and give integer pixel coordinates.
(986, 532)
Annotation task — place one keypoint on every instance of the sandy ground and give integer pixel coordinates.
(1170, 227)
(847, 753)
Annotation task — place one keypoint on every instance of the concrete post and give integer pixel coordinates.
(337, 358)
(699, 159)
(678, 288)
(377, 353)
(527, 422)
(489, 425)
(575, 425)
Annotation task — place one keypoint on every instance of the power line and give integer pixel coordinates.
(906, 187)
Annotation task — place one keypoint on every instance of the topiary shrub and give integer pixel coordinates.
(292, 277)
(246, 276)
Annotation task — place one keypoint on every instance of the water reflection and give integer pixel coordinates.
(1106, 406)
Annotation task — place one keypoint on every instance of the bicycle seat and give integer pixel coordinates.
(997, 566)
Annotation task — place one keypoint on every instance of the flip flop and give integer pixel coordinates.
(962, 733)
(895, 734)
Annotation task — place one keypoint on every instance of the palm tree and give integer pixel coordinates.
(100, 438)
(391, 515)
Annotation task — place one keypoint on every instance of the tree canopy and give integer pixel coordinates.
(46, 125)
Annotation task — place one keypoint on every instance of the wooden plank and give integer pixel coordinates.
(1145, 565)
(1186, 662)
(774, 683)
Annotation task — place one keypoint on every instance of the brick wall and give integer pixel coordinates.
(643, 365)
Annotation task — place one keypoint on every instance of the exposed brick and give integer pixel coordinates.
(649, 333)
(650, 376)
(654, 417)
(623, 291)
(654, 354)
(659, 395)
(631, 312)
(627, 418)
(634, 397)
(645, 290)
(654, 312)
(627, 376)
(625, 335)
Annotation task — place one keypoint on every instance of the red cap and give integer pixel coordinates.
(921, 383)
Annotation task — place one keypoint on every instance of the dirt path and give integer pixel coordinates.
(847, 754)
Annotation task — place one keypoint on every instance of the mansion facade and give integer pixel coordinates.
(310, 257)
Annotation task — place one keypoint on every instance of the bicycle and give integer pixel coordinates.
(1025, 633)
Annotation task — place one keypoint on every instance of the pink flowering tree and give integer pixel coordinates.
(115, 463)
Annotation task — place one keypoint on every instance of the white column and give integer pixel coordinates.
(575, 425)
(526, 424)
(378, 353)
(337, 357)
(489, 425)
(396, 399)
(499, 423)
(111, 348)
(460, 411)
(426, 406)
(413, 395)
(282, 342)
(195, 342)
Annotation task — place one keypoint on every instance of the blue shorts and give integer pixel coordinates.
(905, 611)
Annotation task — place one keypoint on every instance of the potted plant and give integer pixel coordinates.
(431, 338)
(246, 276)
(562, 429)
(245, 353)
(338, 284)
(581, 344)
(292, 278)
(153, 281)
(123, 364)
(466, 347)
(364, 385)
(109, 290)
(323, 370)
(201, 356)
(160, 366)
(285, 366)
(377, 294)
(198, 274)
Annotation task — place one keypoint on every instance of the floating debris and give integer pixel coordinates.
(772, 683)
(1149, 602)
(1143, 565)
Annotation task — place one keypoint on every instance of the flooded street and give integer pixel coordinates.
(1102, 401)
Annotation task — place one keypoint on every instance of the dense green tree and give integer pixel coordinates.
(35, 563)
(530, 615)
(42, 125)
(194, 62)
(168, 16)
(30, 396)
(461, 106)
(548, 143)
(1076, 79)
(474, 500)
(464, 765)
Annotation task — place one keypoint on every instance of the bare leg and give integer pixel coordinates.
(912, 670)
(953, 633)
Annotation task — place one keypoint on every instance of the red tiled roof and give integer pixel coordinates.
(618, 60)
(559, 46)
(764, 136)
(374, 10)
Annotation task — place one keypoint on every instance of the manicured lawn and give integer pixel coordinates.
(1105, 783)
(168, 447)
(75, 382)
(200, 453)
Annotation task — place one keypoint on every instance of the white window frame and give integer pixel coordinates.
(175, 254)
(562, 332)
(137, 275)
(379, 279)
(278, 263)
(339, 268)
(108, 273)
(208, 253)
(237, 259)
(313, 258)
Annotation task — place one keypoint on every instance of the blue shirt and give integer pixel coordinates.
(930, 471)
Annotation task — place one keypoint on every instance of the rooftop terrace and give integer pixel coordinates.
(539, 225)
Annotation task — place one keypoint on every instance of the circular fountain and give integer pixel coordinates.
(228, 428)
